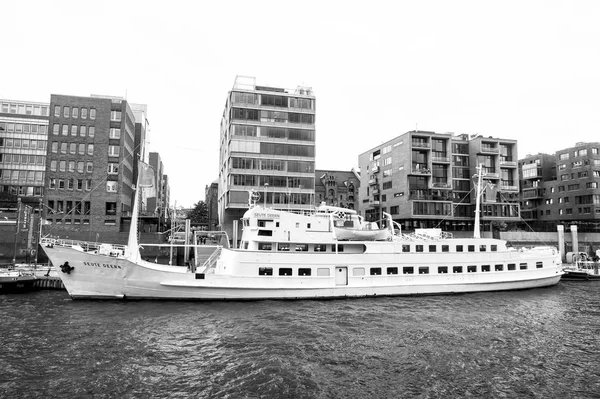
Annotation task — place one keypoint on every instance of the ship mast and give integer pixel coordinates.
(478, 192)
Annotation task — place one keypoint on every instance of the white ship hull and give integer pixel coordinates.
(236, 275)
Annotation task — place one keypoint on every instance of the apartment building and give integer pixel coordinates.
(337, 188)
(571, 195)
(23, 141)
(425, 179)
(90, 165)
(534, 172)
(267, 146)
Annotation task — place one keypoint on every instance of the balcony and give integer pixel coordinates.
(421, 171)
(491, 175)
(507, 163)
(373, 181)
(375, 191)
(441, 185)
(489, 149)
(420, 144)
(375, 169)
(508, 187)
(440, 159)
(375, 203)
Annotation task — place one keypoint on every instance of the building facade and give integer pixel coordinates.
(337, 188)
(571, 195)
(90, 165)
(425, 179)
(211, 195)
(267, 145)
(23, 141)
(534, 172)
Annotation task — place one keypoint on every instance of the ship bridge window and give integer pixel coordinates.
(408, 270)
(419, 248)
(301, 247)
(265, 271)
(499, 268)
(539, 265)
(283, 247)
(482, 248)
(405, 248)
(245, 222)
(459, 248)
(523, 266)
(485, 268)
(424, 270)
(432, 248)
(471, 248)
(323, 272)
(512, 266)
(494, 248)
(320, 248)
(392, 270)
(471, 269)
(375, 271)
(457, 269)
(304, 271)
(267, 233)
(442, 269)
(263, 222)
(285, 271)
(265, 246)
(445, 248)
(308, 225)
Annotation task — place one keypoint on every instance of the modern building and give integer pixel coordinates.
(425, 179)
(534, 172)
(337, 188)
(23, 141)
(572, 195)
(90, 165)
(268, 146)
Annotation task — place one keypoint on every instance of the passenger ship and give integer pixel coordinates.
(284, 255)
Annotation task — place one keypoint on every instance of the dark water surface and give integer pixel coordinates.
(542, 343)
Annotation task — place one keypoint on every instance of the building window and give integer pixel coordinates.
(113, 168)
(83, 113)
(91, 131)
(92, 113)
(89, 167)
(57, 110)
(114, 133)
(111, 208)
(65, 130)
(90, 149)
(115, 116)
(75, 112)
(66, 112)
(113, 151)
(111, 186)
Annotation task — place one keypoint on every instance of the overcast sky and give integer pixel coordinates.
(525, 70)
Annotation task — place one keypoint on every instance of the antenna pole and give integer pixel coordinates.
(477, 232)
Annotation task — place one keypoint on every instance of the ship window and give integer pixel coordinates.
(424, 270)
(297, 225)
(263, 222)
(265, 271)
(276, 224)
(471, 269)
(322, 271)
(482, 248)
(539, 265)
(308, 225)
(459, 248)
(285, 271)
(432, 248)
(456, 269)
(376, 271)
(442, 269)
(304, 271)
(405, 248)
(199, 276)
(392, 270)
(499, 268)
(301, 247)
(265, 246)
(283, 247)
(408, 270)
(512, 266)
(419, 248)
(320, 248)
(471, 248)
(246, 245)
(445, 248)
(494, 248)
(340, 248)
(485, 268)
(359, 271)
(523, 266)
(267, 233)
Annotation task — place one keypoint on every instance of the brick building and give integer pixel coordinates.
(337, 188)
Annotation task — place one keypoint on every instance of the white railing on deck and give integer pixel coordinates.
(86, 246)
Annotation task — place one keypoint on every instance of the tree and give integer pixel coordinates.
(8, 200)
(199, 213)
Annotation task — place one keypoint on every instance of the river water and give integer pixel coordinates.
(541, 343)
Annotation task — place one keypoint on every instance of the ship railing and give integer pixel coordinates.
(208, 267)
(85, 246)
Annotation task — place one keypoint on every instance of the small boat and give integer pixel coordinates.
(286, 255)
(583, 269)
(349, 226)
(14, 281)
